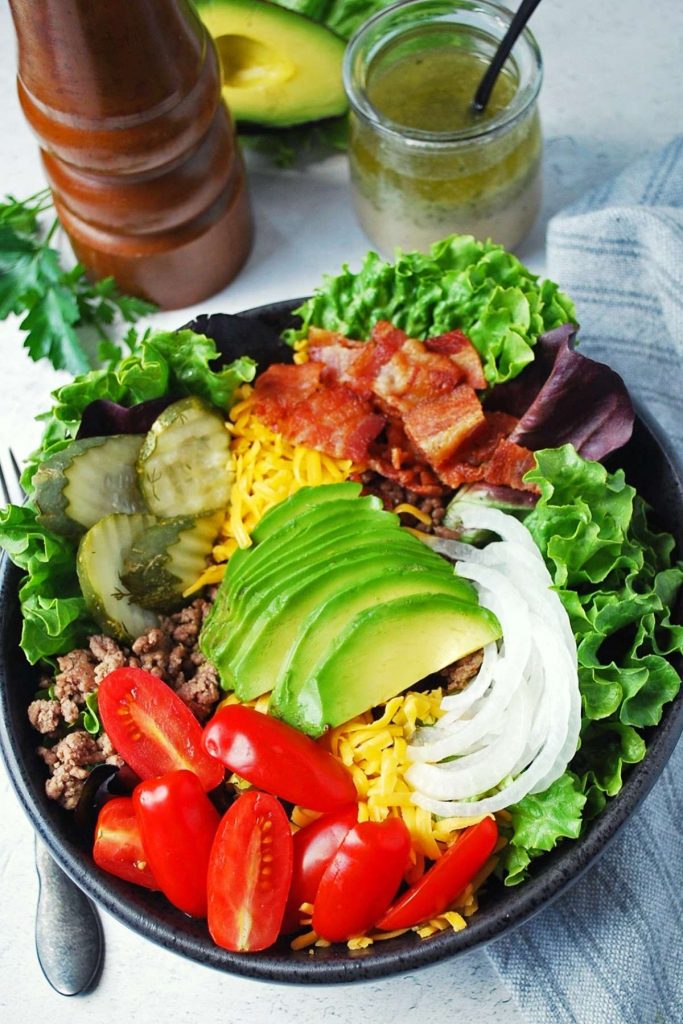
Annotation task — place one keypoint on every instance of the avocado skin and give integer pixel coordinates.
(280, 68)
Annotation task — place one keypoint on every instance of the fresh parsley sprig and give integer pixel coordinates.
(60, 307)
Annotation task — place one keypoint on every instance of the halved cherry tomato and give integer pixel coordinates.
(279, 759)
(314, 846)
(445, 880)
(361, 880)
(249, 873)
(118, 844)
(177, 823)
(152, 729)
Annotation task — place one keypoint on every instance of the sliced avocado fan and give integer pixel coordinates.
(337, 609)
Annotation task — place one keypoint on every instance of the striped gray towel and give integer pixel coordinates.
(611, 950)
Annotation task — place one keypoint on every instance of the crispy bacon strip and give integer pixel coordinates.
(413, 375)
(330, 418)
(334, 351)
(405, 408)
(385, 341)
(481, 445)
(283, 384)
(460, 350)
(440, 426)
(509, 464)
(469, 462)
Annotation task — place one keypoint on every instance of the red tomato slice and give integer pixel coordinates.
(279, 759)
(361, 879)
(177, 824)
(152, 729)
(249, 873)
(314, 846)
(445, 880)
(118, 844)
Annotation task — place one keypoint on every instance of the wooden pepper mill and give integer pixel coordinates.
(139, 149)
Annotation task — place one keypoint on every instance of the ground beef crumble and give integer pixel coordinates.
(168, 651)
(392, 494)
(458, 674)
(70, 761)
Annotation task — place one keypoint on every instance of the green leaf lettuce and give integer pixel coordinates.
(54, 615)
(461, 283)
(615, 577)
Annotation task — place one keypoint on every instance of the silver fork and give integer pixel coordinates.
(69, 938)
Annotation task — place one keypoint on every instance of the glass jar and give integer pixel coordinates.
(423, 165)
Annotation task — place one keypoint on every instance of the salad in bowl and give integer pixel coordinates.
(346, 619)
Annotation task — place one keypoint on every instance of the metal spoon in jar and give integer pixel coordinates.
(485, 88)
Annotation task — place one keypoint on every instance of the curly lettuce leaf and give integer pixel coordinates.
(55, 618)
(616, 579)
(540, 820)
(476, 286)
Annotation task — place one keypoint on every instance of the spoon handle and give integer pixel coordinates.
(69, 939)
(524, 12)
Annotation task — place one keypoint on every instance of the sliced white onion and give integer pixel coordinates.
(475, 773)
(515, 727)
(478, 517)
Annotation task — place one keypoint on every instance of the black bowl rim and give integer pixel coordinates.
(329, 966)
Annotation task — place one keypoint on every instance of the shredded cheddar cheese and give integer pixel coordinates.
(415, 512)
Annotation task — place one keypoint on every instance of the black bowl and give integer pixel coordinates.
(648, 466)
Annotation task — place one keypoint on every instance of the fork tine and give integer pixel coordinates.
(4, 490)
(15, 467)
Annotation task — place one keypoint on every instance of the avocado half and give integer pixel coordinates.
(279, 67)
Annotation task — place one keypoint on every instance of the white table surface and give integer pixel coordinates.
(613, 90)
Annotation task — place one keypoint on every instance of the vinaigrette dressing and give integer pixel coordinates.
(423, 165)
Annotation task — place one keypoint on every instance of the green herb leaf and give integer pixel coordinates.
(49, 331)
(22, 214)
(90, 716)
(58, 305)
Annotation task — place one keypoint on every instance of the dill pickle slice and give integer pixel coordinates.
(99, 563)
(89, 479)
(184, 466)
(168, 558)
